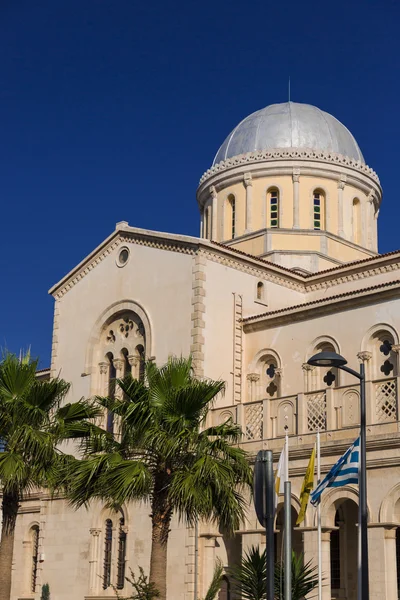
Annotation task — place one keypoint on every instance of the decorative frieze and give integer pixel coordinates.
(281, 154)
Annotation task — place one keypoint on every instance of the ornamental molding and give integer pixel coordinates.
(320, 307)
(355, 276)
(126, 238)
(364, 356)
(296, 175)
(290, 154)
(247, 180)
(240, 265)
(253, 377)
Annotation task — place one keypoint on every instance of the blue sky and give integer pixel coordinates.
(112, 110)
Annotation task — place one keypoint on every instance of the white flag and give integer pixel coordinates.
(282, 472)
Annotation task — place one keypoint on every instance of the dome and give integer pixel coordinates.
(289, 125)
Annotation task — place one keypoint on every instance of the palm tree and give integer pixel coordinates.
(32, 425)
(250, 577)
(165, 454)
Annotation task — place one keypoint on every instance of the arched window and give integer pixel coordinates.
(356, 215)
(121, 554)
(232, 215)
(329, 377)
(260, 291)
(270, 377)
(35, 556)
(108, 542)
(318, 209)
(273, 208)
(384, 358)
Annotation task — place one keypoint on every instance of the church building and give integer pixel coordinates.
(286, 265)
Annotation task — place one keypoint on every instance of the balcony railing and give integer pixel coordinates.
(323, 410)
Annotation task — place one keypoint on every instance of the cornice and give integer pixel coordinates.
(322, 306)
(290, 154)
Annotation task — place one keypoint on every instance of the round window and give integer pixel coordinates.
(123, 257)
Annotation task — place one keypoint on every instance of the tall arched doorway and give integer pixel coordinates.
(344, 551)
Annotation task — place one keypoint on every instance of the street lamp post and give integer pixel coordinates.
(331, 359)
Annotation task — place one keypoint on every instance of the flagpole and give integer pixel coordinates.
(319, 519)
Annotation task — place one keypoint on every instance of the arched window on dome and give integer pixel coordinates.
(231, 216)
(318, 209)
(356, 217)
(273, 207)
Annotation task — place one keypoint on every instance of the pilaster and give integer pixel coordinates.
(296, 198)
(248, 184)
(214, 208)
(198, 314)
(341, 185)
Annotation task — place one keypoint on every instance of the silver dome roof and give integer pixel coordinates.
(289, 125)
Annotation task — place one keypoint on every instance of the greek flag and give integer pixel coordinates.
(343, 472)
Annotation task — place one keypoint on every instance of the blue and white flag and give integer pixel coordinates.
(343, 472)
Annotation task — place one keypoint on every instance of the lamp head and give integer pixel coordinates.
(327, 359)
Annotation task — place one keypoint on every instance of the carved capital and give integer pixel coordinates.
(342, 182)
(278, 372)
(396, 347)
(213, 192)
(133, 360)
(95, 531)
(364, 356)
(296, 175)
(124, 529)
(307, 367)
(371, 197)
(247, 180)
(118, 364)
(253, 377)
(103, 368)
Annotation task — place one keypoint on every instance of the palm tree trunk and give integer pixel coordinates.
(161, 515)
(158, 558)
(10, 505)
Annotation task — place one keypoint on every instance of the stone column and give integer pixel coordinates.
(213, 194)
(202, 222)
(134, 363)
(94, 580)
(296, 198)
(119, 373)
(307, 370)
(341, 184)
(208, 562)
(252, 378)
(103, 379)
(248, 184)
(370, 219)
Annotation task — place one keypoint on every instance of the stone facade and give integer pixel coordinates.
(251, 308)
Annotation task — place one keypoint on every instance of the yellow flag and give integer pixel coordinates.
(306, 488)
